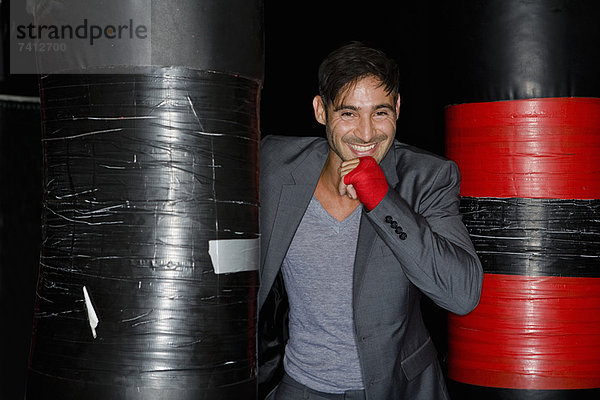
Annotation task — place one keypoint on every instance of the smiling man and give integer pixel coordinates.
(355, 229)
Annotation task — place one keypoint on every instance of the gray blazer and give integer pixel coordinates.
(436, 257)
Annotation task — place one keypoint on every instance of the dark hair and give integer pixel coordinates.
(352, 62)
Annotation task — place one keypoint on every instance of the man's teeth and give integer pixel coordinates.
(361, 148)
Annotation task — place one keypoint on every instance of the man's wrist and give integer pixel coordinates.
(369, 182)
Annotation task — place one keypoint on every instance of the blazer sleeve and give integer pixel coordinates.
(433, 245)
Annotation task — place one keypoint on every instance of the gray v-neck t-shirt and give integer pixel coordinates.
(318, 271)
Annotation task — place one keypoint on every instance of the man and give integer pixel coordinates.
(354, 229)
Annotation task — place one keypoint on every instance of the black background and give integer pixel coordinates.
(298, 36)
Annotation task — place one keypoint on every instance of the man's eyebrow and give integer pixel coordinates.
(345, 107)
(354, 108)
(385, 105)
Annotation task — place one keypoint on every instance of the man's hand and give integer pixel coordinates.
(362, 178)
(345, 168)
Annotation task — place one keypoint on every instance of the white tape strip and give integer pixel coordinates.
(234, 255)
(20, 99)
(92, 317)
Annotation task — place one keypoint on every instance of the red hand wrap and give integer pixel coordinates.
(368, 181)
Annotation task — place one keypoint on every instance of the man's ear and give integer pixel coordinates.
(398, 107)
(320, 112)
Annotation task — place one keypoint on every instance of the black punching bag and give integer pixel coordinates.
(148, 271)
(524, 129)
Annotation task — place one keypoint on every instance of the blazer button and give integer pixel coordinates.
(394, 224)
(402, 236)
(388, 219)
(399, 230)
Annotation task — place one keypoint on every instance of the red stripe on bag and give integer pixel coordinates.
(529, 333)
(536, 148)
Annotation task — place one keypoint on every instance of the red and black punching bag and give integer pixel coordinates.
(524, 128)
(148, 270)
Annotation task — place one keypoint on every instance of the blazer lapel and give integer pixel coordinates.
(366, 233)
(366, 238)
(295, 195)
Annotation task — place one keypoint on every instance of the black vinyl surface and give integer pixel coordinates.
(463, 391)
(141, 172)
(514, 49)
(535, 237)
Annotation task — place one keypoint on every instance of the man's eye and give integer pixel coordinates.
(347, 114)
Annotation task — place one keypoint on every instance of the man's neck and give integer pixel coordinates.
(327, 191)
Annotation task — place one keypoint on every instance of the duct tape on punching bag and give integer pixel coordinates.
(148, 272)
(526, 136)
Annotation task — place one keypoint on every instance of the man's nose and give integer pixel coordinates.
(366, 129)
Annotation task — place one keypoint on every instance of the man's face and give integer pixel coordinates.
(362, 122)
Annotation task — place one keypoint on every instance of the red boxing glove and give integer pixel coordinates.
(368, 181)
